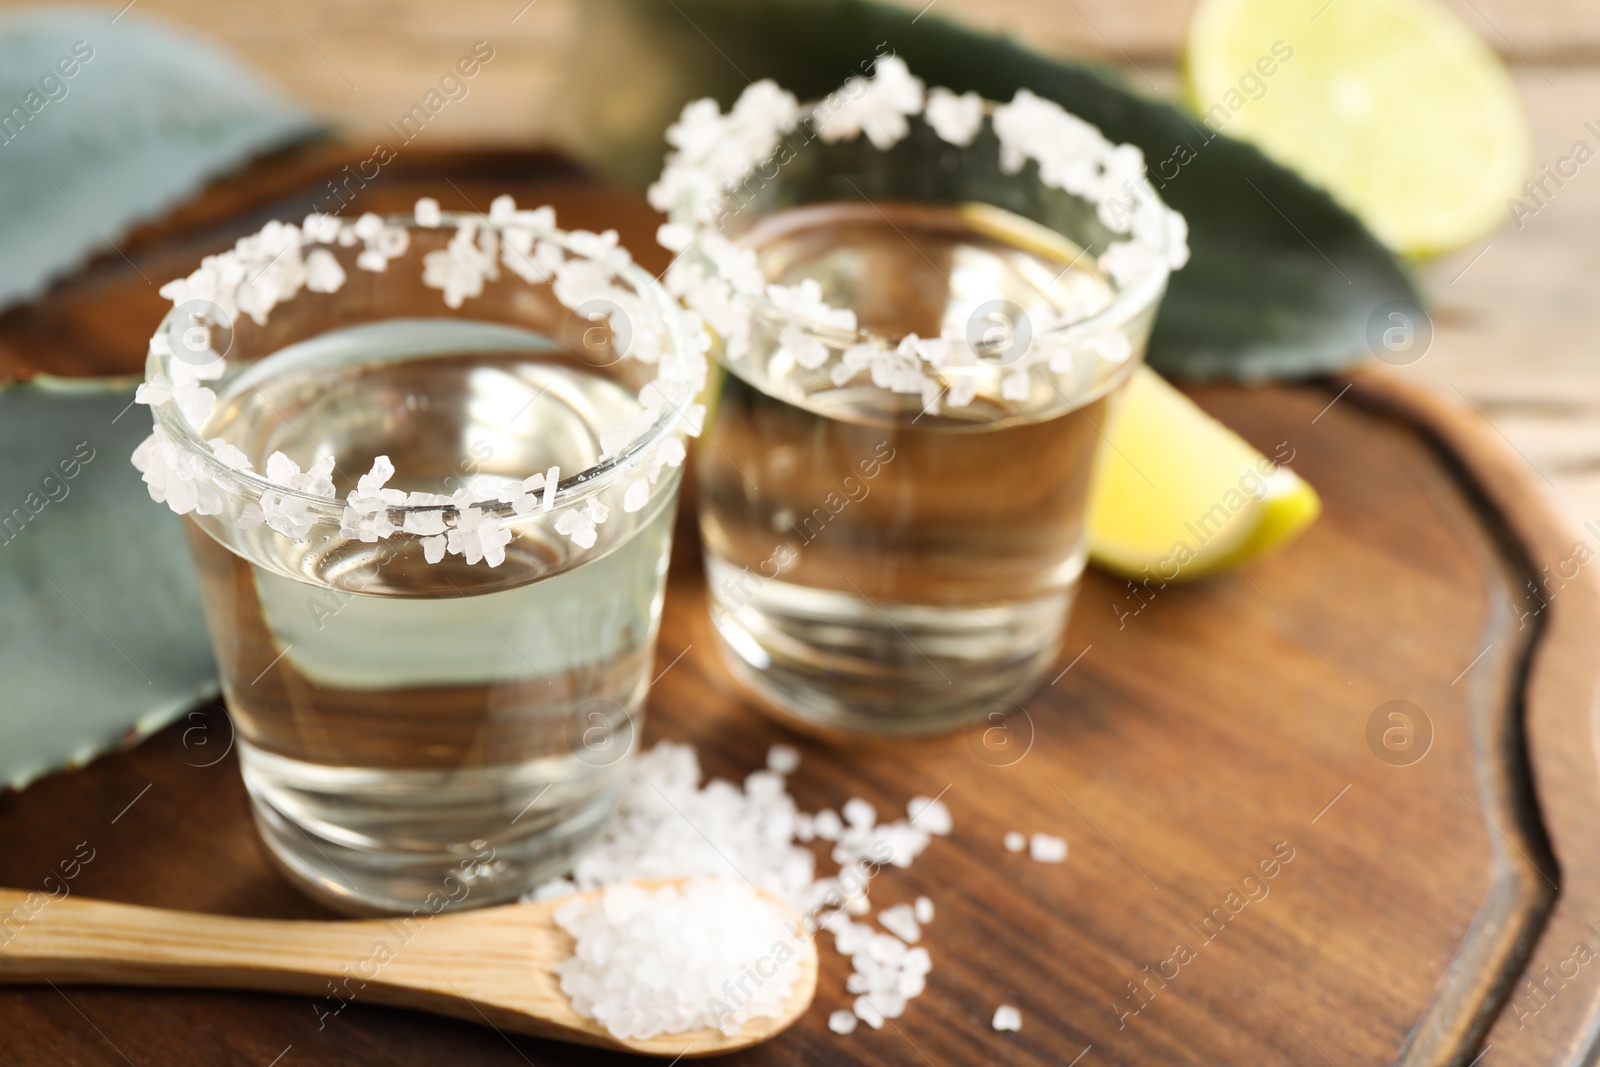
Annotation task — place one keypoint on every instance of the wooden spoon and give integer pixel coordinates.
(493, 966)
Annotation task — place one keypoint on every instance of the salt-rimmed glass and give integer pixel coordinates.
(435, 653)
(924, 304)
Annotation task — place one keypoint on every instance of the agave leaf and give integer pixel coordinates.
(1282, 281)
(147, 116)
(101, 636)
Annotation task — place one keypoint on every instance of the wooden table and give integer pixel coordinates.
(1229, 729)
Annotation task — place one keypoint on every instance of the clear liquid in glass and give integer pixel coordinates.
(874, 567)
(410, 729)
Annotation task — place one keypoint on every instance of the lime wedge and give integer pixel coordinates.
(1393, 106)
(1179, 495)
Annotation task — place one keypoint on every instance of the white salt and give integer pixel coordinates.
(1007, 1018)
(890, 1003)
(1015, 841)
(677, 958)
(886, 949)
(427, 212)
(867, 1013)
(828, 824)
(842, 1022)
(783, 759)
(901, 921)
(1047, 849)
(930, 814)
(859, 814)
(672, 825)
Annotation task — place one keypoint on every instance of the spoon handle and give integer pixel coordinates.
(43, 938)
(459, 964)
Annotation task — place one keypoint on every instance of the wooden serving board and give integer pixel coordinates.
(1224, 731)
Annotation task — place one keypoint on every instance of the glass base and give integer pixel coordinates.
(833, 662)
(368, 842)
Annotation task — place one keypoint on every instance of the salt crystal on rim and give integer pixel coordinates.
(551, 477)
(716, 153)
(323, 272)
(956, 119)
(876, 106)
(269, 267)
(636, 495)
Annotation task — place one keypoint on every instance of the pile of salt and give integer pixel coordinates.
(670, 826)
(706, 953)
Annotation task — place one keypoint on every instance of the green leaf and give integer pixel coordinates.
(1282, 281)
(101, 637)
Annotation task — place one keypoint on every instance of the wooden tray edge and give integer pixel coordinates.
(1560, 700)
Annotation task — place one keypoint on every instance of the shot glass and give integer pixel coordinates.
(924, 305)
(432, 535)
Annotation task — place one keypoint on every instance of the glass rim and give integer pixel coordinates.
(569, 489)
(1125, 306)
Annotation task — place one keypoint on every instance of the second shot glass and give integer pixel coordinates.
(924, 305)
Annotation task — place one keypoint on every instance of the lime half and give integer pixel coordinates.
(1179, 495)
(1393, 106)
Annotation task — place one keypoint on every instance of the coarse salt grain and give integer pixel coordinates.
(1015, 841)
(711, 952)
(901, 921)
(427, 212)
(859, 813)
(842, 1022)
(1007, 1018)
(828, 824)
(868, 1013)
(930, 814)
(783, 759)
(923, 910)
(1047, 849)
